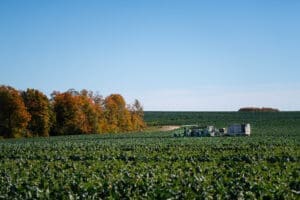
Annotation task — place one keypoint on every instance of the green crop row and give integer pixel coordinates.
(153, 166)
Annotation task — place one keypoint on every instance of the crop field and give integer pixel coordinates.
(155, 165)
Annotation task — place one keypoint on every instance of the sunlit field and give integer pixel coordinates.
(155, 165)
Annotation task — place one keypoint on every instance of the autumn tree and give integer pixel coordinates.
(76, 113)
(31, 113)
(117, 115)
(67, 114)
(38, 106)
(99, 102)
(13, 114)
(137, 116)
(92, 111)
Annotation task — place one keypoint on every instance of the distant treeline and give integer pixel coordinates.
(256, 109)
(31, 113)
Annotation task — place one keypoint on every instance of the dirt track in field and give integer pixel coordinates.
(168, 128)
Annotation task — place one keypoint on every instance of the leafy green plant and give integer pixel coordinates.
(156, 165)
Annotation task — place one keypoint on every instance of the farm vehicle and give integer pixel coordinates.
(211, 131)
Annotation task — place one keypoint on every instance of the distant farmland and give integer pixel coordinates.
(262, 123)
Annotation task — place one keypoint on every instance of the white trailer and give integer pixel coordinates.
(239, 129)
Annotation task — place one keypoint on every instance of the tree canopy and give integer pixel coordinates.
(14, 117)
(256, 109)
(31, 113)
(38, 106)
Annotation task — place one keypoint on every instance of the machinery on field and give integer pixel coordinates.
(211, 131)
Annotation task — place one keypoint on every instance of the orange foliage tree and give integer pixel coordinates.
(31, 113)
(76, 113)
(85, 113)
(120, 117)
(38, 106)
(67, 113)
(13, 114)
(137, 116)
(92, 111)
(115, 113)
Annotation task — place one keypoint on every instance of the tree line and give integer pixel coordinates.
(256, 109)
(31, 113)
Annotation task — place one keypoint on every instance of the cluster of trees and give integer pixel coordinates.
(256, 109)
(30, 113)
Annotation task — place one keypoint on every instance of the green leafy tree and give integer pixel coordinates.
(13, 114)
(39, 108)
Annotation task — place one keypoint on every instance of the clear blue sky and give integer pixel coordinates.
(171, 55)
